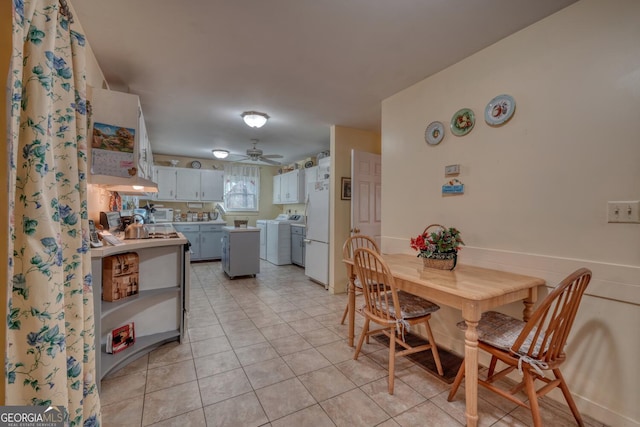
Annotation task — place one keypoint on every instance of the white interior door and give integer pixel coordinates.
(366, 194)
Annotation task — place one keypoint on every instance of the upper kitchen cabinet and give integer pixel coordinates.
(288, 188)
(189, 184)
(120, 144)
(211, 185)
(166, 178)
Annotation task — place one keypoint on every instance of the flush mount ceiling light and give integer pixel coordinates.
(254, 119)
(220, 154)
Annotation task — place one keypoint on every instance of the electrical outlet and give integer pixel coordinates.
(628, 211)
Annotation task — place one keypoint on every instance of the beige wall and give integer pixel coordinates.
(536, 188)
(343, 140)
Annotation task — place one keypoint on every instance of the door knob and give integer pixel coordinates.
(355, 230)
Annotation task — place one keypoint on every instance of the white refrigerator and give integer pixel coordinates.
(317, 232)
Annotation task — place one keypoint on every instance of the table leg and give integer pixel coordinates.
(528, 304)
(352, 308)
(471, 371)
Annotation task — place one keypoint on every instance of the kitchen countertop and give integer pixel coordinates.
(240, 230)
(136, 244)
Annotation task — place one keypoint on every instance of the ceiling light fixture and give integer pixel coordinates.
(254, 119)
(220, 154)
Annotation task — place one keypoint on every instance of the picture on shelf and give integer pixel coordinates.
(121, 338)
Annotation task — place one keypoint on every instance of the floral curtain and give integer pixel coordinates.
(50, 356)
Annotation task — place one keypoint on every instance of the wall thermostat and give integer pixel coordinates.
(451, 170)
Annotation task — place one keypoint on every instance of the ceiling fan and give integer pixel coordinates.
(256, 154)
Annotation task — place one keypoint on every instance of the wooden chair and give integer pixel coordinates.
(350, 245)
(531, 347)
(395, 310)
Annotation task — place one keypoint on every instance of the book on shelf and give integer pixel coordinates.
(121, 338)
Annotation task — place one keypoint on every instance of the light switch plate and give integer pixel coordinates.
(624, 211)
(451, 170)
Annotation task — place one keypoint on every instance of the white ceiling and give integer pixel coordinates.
(309, 64)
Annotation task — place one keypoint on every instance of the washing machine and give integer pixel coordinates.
(262, 225)
(278, 238)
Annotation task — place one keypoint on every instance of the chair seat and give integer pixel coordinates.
(413, 306)
(500, 331)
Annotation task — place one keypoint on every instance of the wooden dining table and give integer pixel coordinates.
(473, 290)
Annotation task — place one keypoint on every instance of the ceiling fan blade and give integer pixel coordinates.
(269, 161)
(272, 156)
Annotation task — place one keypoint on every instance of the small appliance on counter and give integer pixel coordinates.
(163, 215)
(110, 221)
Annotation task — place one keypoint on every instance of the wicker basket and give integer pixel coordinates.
(440, 261)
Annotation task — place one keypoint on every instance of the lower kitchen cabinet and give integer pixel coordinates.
(210, 241)
(205, 239)
(297, 244)
(241, 251)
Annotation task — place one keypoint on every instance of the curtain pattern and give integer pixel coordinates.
(50, 356)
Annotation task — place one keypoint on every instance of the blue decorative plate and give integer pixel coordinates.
(462, 122)
(499, 110)
(434, 133)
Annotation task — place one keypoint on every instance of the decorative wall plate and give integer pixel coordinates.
(499, 110)
(308, 164)
(196, 164)
(434, 133)
(462, 122)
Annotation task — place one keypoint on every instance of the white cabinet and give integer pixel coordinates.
(120, 142)
(145, 157)
(211, 185)
(289, 187)
(188, 184)
(166, 180)
(277, 194)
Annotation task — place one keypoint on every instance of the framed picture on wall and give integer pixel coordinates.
(345, 194)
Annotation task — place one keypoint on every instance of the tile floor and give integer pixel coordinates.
(270, 351)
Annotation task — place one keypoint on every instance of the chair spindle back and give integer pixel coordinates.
(378, 285)
(545, 334)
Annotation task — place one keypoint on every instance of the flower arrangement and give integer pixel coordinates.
(433, 244)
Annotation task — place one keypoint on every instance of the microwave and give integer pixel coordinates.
(163, 215)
